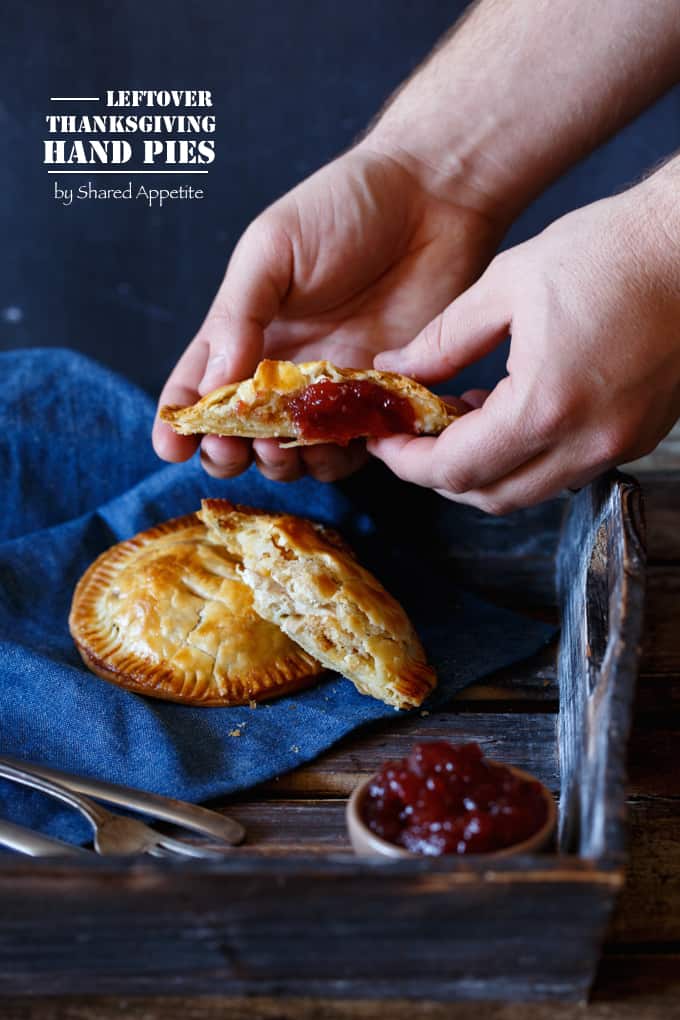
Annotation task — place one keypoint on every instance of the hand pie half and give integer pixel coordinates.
(166, 614)
(313, 588)
(314, 402)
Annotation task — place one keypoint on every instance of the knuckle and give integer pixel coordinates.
(225, 469)
(216, 329)
(267, 234)
(276, 470)
(501, 262)
(436, 337)
(319, 464)
(495, 506)
(455, 481)
(275, 467)
(616, 441)
(323, 473)
(552, 418)
(400, 470)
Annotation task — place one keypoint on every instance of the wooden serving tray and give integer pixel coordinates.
(294, 912)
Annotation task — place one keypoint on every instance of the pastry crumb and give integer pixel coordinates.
(234, 733)
(424, 713)
(252, 704)
(295, 749)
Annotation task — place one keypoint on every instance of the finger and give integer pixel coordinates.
(330, 463)
(258, 277)
(474, 451)
(228, 345)
(475, 398)
(544, 477)
(278, 464)
(469, 328)
(459, 405)
(169, 446)
(411, 458)
(224, 456)
(180, 390)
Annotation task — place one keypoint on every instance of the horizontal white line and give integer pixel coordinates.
(127, 173)
(74, 99)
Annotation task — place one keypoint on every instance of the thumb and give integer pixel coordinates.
(469, 328)
(258, 277)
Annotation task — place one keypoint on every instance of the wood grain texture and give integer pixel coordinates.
(361, 932)
(526, 740)
(661, 647)
(601, 581)
(649, 908)
(630, 986)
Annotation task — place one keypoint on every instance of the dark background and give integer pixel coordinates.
(293, 82)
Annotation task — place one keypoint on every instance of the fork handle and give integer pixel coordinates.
(91, 811)
(26, 841)
(188, 816)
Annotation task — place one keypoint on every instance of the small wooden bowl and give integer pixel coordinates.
(367, 844)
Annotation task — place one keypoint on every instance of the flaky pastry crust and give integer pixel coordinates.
(311, 586)
(166, 614)
(259, 407)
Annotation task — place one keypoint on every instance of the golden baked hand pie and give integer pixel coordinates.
(308, 583)
(314, 402)
(166, 614)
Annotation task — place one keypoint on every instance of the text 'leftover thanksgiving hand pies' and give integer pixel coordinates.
(314, 402)
(305, 580)
(166, 614)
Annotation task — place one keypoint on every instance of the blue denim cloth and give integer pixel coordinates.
(79, 474)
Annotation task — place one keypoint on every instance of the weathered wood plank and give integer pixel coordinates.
(372, 930)
(526, 740)
(662, 510)
(661, 640)
(629, 986)
(657, 694)
(649, 907)
(292, 827)
(533, 682)
(653, 769)
(601, 581)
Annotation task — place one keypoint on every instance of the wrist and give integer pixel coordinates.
(456, 170)
(658, 203)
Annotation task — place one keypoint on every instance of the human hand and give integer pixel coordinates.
(593, 308)
(353, 261)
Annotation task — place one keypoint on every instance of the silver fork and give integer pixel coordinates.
(113, 834)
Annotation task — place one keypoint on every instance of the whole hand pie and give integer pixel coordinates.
(166, 614)
(307, 582)
(314, 402)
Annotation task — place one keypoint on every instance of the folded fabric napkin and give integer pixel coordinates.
(80, 475)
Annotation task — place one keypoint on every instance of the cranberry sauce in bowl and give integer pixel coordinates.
(445, 799)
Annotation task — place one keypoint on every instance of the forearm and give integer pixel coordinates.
(522, 89)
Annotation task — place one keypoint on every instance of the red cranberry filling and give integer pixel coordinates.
(446, 799)
(338, 412)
